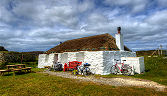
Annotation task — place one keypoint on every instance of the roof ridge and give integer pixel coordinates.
(90, 36)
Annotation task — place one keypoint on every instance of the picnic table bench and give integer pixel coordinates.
(3, 71)
(71, 65)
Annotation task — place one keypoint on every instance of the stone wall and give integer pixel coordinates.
(1, 57)
(16, 57)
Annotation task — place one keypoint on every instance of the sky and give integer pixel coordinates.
(38, 25)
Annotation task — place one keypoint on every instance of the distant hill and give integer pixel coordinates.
(33, 52)
(2, 48)
(150, 52)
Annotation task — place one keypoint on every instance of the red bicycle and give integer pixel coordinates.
(125, 69)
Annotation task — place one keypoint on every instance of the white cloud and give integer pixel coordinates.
(158, 18)
(134, 5)
(85, 5)
(38, 24)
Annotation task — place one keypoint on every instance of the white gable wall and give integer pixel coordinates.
(41, 60)
(45, 60)
(109, 56)
(136, 62)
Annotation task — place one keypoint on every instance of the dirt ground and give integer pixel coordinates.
(119, 81)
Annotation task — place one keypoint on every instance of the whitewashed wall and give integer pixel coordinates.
(63, 58)
(109, 56)
(136, 62)
(71, 56)
(41, 60)
(101, 61)
(45, 60)
(50, 60)
(95, 58)
(80, 56)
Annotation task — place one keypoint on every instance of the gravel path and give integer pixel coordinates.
(119, 81)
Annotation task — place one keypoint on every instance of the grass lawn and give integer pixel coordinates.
(156, 70)
(38, 84)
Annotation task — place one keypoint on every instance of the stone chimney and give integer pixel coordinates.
(119, 39)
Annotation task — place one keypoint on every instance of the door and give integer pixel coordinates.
(55, 58)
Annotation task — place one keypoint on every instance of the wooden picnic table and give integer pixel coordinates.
(15, 68)
(11, 67)
(23, 67)
(19, 67)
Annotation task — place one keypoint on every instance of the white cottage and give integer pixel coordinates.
(99, 51)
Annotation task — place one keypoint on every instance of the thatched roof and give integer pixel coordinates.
(92, 43)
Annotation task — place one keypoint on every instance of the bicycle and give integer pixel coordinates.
(83, 70)
(75, 71)
(86, 69)
(125, 69)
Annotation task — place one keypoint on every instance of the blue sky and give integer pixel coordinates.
(38, 25)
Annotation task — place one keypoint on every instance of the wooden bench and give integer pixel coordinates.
(16, 70)
(29, 69)
(71, 65)
(3, 71)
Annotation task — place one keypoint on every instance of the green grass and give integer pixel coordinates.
(155, 67)
(156, 70)
(38, 84)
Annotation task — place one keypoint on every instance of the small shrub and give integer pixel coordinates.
(3, 65)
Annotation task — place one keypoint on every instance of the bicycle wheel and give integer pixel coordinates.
(114, 70)
(127, 70)
(80, 68)
(86, 71)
